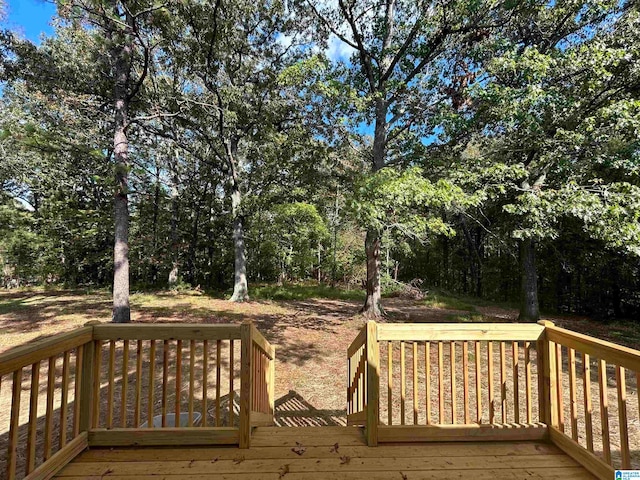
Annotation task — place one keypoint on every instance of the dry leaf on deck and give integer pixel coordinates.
(284, 469)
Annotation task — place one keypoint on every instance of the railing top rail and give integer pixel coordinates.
(358, 342)
(166, 331)
(610, 352)
(30, 353)
(263, 343)
(459, 331)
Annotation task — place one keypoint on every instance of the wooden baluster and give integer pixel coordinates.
(588, 407)
(478, 383)
(110, 393)
(573, 395)
(165, 380)
(403, 386)
(152, 369)
(492, 406)
(138, 400)
(64, 399)
(427, 379)
(205, 380)
(638, 392)
(559, 378)
(604, 411)
(14, 426)
(178, 400)
(621, 383)
(77, 388)
(218, 358)
(33, 417)
(415, 383)
(48, 420)
(231, 389)
(272, 377)
(440, 383)
(97, 383)
(389, 383)
(503, 382)
(125, 383)
(192, 367)
(515, 357)
(527, 376)
(452, 374)
(465, 376)
(349, 411)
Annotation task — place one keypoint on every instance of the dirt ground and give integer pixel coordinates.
(311, 338)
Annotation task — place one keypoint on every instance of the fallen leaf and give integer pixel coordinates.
(404, 477)
(299, 449)
(191, 463)
(335, 448)
(284, 469)
(345, 460)
(107, 472)
(238, 460)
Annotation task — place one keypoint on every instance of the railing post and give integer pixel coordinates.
(547, 382)
(86, 382)
(246, 383)
(373, 383)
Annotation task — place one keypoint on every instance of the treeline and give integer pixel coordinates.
(489, 149)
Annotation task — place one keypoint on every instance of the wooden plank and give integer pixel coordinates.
(414, 359)
(585, 458)
(440, 383)
(205, 381)
(478, 382)
(261, 419)
(503, 382)
(604, 411)
(125, 383)
(246, 385)
(178, 398)
(390, 383)
(119, 437)
(64, 399)
(527, 376)
(48, 419)
(358, 342)
(110, 389)
(262, 342)
(192, 368)
(61, 458)
(465, 380)
(588, 407)
(358, 418)
(138, 400)
(628, 358)
(559, 387)
(14, 423)
(492, 405)
(151, 392)
(97, 376)
(77, 390)
(427, 380)
(231, 379)
(551, 372)
(218, 361)
(544, 376)
(165, 380)
(166, 331)
(39, 350)
(462, 433)
(459, 331)
(515, 357)
(621, 383)
(403, 384)
(373, 383)
(452, 375)
(33, 417)
(86, 388)
(573, 396)
(272, 384)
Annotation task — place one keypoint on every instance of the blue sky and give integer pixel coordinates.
(30, 18)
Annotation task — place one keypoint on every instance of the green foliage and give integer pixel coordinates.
(303, 291)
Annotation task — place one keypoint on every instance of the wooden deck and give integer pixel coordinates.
(328, 453)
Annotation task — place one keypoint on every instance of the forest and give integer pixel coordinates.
(486, 148)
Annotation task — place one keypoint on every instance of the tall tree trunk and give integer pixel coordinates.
(240, 286)
(529, 308)
(173, 274)
(156, 207)
(372, 307)
(121, 310)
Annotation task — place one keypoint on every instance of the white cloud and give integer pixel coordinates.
(338, 51)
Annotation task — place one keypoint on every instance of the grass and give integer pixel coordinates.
(447, 302)
(303, 291)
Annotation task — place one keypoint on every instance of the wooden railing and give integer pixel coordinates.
(590, 410)
(453, 382)
(117, 385)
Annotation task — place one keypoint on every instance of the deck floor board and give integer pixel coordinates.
(311, 453)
